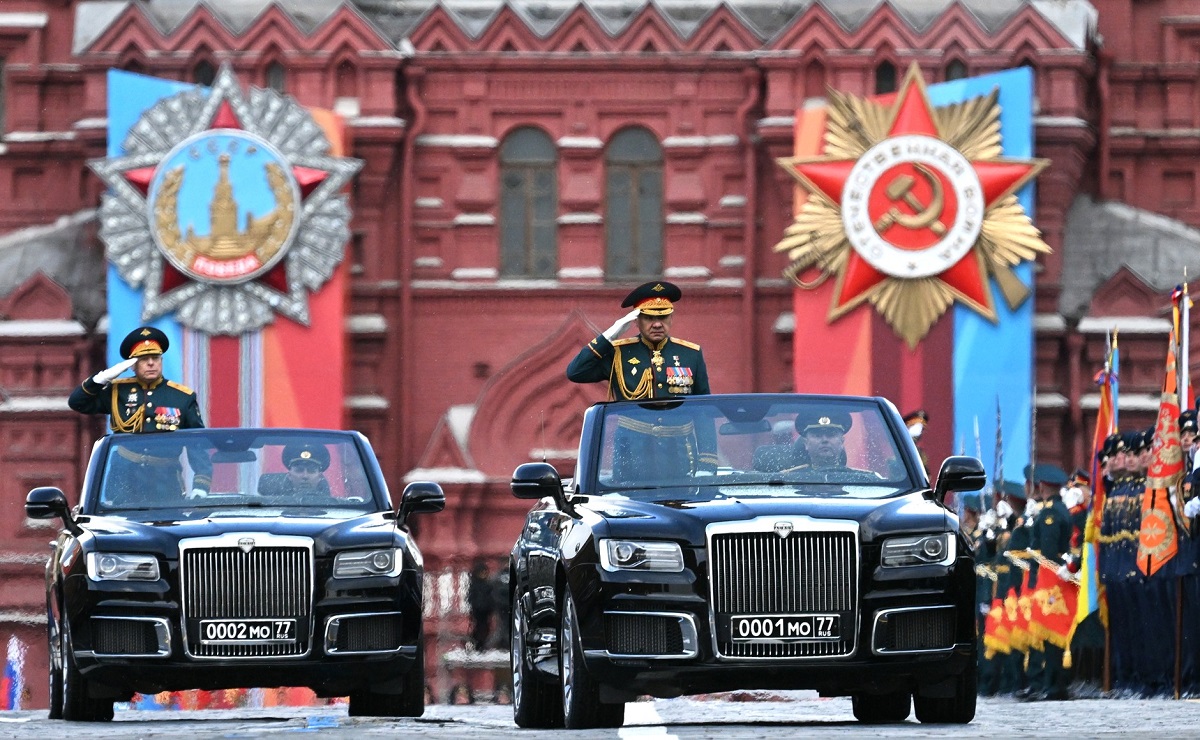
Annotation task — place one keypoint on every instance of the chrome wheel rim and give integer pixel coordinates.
(565, 652)
(518, 654)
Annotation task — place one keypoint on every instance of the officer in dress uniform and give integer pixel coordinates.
(650, 365)
(1011, 545)
(1049, 538)
(144, 404)
(1119, 531)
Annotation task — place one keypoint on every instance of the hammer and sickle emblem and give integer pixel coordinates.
(900, 189)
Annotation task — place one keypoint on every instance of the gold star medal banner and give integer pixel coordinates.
(919, 204)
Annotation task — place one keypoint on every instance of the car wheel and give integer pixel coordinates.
(535, 703)
(580, 693)
(77, 706)
(877, 709)
(56, 668)
(956, 710)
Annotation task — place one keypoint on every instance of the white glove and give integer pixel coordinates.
(621, 325)
(1192, 508)
(1064, 573)
(196, 493)
(106, 376)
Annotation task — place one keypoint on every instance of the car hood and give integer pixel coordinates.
(669, 512)
(116, 533)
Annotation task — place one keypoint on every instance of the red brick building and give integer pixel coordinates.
(526, 163)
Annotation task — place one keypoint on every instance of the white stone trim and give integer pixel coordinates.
(580, 142)
(1158, 133)
(428, 203)
(455, 141)
(778, 121)
(732, 201)
(34, 404)
(427, 262)
(38, 136)
(693, 271)
(474, 273)
(474, 219)
(785, 323)
(580, 218)
(19, 617)
(445, 475)
(1126, 324)
(1049, 322)
(91, 123)
(686, 217)
(377, 122)
(700, 141)
(577, 273)
(1051, 401)
(41, 328)
(366, 402)
(732, 260)
(1127, 401)
(24, 20)
(727, 283)
(366, 323)
(1060, 121)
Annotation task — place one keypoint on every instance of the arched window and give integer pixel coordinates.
(276, 77)
(204, 73)
(528, 205)
(885, 78)
(633, 205)
(956, 70)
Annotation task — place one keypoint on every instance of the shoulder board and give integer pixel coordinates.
(180, 387)
(685, 343)
(623, 342)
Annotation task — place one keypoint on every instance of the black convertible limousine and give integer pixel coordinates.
(225, 558)
(724, 542)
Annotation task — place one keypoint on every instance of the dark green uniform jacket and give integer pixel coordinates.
(136, 408)
(635, 370)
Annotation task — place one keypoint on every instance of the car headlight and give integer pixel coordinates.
(359, 563)
(618, 555)
(114, 566)
(924, 549)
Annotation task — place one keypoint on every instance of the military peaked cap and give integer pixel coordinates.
(654, 298)
(809, 420)
(918, 415)
(1187, 421)
(1012, 489)
(144, 340)
(295, 453)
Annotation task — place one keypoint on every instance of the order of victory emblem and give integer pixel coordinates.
(912, 208)
(226, 208)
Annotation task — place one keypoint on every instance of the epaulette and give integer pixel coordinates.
(623, 342)
(685, 343)
(180, 387)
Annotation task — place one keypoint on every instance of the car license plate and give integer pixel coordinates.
(247, 631)
(785, 627)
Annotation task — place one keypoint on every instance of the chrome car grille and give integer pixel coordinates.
(261, 583)
(804, 573)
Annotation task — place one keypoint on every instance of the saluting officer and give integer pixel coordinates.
(147, 402)
(651, 365)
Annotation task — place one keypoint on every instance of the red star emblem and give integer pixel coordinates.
(911, 205)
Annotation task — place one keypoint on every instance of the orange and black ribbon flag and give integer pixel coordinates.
(1159, 540)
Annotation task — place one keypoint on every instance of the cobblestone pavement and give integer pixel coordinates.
(723, 717)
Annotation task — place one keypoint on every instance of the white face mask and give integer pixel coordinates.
(916, 430)
(1031, 508)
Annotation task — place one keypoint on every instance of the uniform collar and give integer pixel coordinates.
(660, 346)
(153, 385)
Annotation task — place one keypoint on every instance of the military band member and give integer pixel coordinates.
(146, 403)
(652, 365)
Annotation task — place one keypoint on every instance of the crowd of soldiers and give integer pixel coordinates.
(1036, 643)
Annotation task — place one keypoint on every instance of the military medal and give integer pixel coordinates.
(657, 360)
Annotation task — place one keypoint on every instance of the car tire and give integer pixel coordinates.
(54, 643)
(535, 702)
(77, 706)
(956, 710)
(880, 709)
(581, 704)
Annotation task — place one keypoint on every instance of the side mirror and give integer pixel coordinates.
(959, 473)
(48, 502)
(536, 480)
(420, 497)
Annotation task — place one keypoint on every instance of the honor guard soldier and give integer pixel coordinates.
(916, 422)
(144, 404)
(651, 365)
(1050, 540)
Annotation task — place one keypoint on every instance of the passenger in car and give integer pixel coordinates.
(822, 445)
(306, 464)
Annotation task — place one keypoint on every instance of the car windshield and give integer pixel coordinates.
(768, 446)
(227, 472)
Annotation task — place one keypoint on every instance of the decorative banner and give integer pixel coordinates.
(224, 209)
(913, 208)
(896, 229)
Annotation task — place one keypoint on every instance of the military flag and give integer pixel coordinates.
(1091, 597)
(1158, 540)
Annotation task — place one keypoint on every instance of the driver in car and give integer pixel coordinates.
(822, 444)
(306, 464)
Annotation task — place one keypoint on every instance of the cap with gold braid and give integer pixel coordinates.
(655, 298)
(144, 340)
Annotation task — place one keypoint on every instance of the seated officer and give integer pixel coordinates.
(823, 444)
(306, 464)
